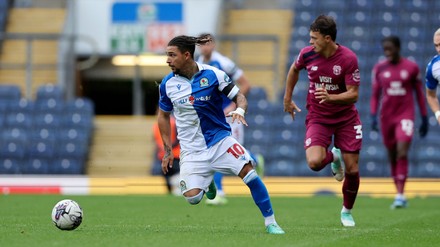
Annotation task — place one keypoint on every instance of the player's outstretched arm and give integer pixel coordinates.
(292, 79)
(163, 120)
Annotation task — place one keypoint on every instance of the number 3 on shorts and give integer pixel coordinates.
(358, 129)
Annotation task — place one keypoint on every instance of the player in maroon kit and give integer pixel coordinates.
(334, 81)
(396, 79)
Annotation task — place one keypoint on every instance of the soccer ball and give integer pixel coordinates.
(67, 214)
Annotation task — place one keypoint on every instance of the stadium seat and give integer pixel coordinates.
(280, 167)
(14, 134)
(74, 134)
(36, 166)
(42, 149)
(47, 120)
(44, 134)
(72, 149)
(49, 105)
(10, 165)
(427, 168)
(67, 166)
(9, 93)
(374, 167)
(80, 105)
(49, 91)
(13, 149)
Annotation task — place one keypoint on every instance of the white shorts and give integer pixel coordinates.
(197, 168)
(237, 130)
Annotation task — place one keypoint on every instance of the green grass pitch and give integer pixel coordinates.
(171, 221)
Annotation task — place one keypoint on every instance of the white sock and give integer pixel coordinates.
(220, 193)
(400, 196)
(269, 220)
(345, 210)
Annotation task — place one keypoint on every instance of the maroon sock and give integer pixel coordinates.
(350, 189)
(401, 174)
(328, 159)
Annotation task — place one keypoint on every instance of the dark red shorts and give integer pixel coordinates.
(347, 135)
(397, 131)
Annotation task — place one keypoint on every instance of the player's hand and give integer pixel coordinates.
(237, 115)
(423, 130)
(374, 123)
(167, 162)
(322, 95)
(291, 107)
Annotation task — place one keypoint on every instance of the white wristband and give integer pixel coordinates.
(437, 114)
(240, 111)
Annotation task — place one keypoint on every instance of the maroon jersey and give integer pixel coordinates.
(397, 84)
(333, 73)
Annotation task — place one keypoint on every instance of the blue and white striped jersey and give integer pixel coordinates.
(433, 73)
(197, 106)
(227, 65)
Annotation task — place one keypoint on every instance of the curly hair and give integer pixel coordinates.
(325, 25)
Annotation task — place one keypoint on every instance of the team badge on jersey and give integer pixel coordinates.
(356, 75)
(404, 74)
(337, 69)
(204, 82)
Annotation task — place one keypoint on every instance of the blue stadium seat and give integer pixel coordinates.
(75, 149)
(42, 149)
(19, 119)
(74, 134)
(10, 165)
(256, 93)
(427, 168)
(12, 149)
(374, 167)
(36, 166)
(49, 91)
(47, 120)
(9, 93)
(49, 105)
(19, 112)
(14, 134)
(258, 121)
(67, 166)
(77, 120)
(280, 167)
(80, 105)
(44, 134)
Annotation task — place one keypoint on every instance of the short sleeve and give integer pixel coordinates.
(165, 103)
(352, 73)
(433, 74)
(223, 81)
(299, 61)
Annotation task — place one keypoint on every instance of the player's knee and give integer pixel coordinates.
(194, 199)
(314, 164)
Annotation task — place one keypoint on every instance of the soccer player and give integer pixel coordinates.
(397, 79)
(193, 92)
(212, 57)
(333, 90)
(433, 78)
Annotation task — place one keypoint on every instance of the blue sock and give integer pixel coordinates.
(259, 193)
(218, 177)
